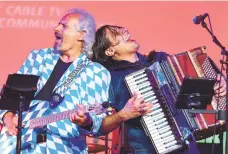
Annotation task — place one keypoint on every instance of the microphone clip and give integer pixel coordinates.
(199, 19)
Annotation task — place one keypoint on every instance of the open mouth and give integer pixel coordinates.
(58, 36)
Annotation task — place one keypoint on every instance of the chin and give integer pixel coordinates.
(137, 46)
(58, 47)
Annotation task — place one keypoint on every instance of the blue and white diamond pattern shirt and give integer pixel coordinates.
(90, 86)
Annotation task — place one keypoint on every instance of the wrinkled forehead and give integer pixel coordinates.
(113, 31)
(70, 19)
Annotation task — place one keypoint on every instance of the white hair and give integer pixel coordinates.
(86, 23)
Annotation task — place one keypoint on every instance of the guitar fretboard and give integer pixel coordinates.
(42, 121)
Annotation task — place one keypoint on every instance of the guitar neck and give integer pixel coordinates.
(45, 120)
(96, 108)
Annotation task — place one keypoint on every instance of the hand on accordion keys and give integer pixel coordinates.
(135, 107)
(220, 89)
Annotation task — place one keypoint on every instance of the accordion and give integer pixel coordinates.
(168, 127)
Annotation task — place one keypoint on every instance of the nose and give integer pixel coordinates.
(57, 28)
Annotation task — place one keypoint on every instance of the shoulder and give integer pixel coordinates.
(161, 53)
(44, 51)
(41, 52)
(98, 73)
(156, 55)
(97, 68)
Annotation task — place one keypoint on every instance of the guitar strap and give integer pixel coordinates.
(58, 94)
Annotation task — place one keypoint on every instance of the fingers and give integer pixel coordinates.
(10, 120)
(148, 111)
(1, 126)
(218, 77)
(139, 101)
(133, 98)
(145, 108)
(74, 118)
(148, 106)
(12, 131)
(135, 101)
(80, 114)
(221, 93)
(220, 88)
(78, 118)
(81, 107)
(15, 121)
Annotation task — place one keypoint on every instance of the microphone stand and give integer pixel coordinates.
(222, 115)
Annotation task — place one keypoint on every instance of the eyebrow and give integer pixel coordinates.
(114, 30)
(62, 23)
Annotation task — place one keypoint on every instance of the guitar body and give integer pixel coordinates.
(8, 143)
(36, 120)
(38, 110)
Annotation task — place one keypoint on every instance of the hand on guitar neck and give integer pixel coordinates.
(78, 116)
(81, 118)
(79, 113)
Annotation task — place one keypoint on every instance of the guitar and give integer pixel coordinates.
(96, 108)
(7, 143)
(43, 117)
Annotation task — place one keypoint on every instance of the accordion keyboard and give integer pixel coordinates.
(159, 125)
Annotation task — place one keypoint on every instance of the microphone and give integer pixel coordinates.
(198, 19)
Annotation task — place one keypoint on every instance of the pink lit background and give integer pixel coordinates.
(165, 26)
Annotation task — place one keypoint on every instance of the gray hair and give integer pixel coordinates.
(87, 23)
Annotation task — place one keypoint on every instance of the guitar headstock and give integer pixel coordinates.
(97, 108)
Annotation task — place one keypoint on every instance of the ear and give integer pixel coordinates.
(82, 35)
(109, 52)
